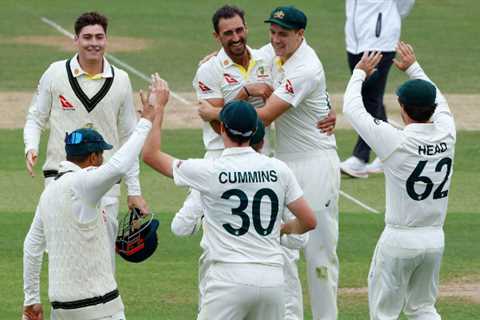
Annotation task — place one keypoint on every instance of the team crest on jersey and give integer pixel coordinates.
(66, 105)
(229, 79)
(261, 74)
(289, 87)
(203, 87)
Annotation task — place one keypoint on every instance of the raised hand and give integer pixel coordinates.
(369, 62)
(406, 56)
(159, 91)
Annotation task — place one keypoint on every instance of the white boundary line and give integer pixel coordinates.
(114, 59)
(175, 95)
(358, 202)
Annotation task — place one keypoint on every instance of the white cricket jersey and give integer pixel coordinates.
(68, 99)
(244, 194)
(417, 161)
(374, 24)
(221, 78)
(70, 223)
(300, 81)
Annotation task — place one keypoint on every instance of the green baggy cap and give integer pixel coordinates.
(418, 93)
(288, 17)
(239, 118)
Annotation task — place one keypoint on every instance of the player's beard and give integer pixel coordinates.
(237, 49)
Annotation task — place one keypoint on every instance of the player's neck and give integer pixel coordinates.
(92, 67)
(229, 143)
(287, 56)
(243, 60)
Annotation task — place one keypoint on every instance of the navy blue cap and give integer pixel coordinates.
(239, 118)
(85, 141)
(288, 17)
(418, 93)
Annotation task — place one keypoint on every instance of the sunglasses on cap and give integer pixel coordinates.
(78, 137)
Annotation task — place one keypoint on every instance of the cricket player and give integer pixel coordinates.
(372, 25)
(244, 194)
(187, 223)
(218, 81)
(70, 223)
(85, 91)
(298, 103)
(404, 272)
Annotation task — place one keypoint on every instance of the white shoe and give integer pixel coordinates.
(354, 168)
(376, 166)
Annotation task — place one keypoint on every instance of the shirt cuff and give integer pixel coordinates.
(359, 73)
(413, 69)
(28, 148)
(31, 299)
(144, 124)
(133, 187)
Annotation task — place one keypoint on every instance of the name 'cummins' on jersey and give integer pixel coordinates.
(244, 194)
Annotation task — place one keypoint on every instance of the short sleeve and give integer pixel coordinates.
(207, 81)
(296, 86)
(193, 173)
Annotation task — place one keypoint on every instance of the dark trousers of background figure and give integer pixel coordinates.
(372, 92)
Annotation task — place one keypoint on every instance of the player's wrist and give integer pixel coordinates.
(246, 91)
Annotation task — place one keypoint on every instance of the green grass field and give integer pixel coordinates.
(443, 32)
(165, 286)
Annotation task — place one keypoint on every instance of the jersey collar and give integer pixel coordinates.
(237, 151)
(68, 166)
(419, 127)
(226, 61)
(77, 70)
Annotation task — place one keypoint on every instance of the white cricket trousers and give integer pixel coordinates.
(293, 286)
(405, 279)
(318, 173)
(117, 316)
(243, 291)
(110, 207)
